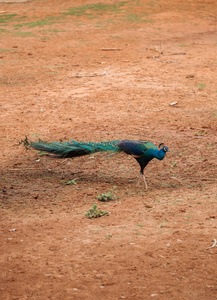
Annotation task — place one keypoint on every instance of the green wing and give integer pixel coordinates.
(136, 148)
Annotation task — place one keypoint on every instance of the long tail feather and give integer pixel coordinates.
(74, 149)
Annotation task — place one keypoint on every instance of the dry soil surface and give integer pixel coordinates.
(99, 71)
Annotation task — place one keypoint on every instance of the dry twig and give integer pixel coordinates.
(214, 244)
(110, 49)
(90, 75)
(155, 57)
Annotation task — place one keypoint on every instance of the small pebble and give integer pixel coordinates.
(174, 103)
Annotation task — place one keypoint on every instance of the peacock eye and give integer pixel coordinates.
(165, 149)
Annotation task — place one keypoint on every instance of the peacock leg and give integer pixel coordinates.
(146, 186)
(139, 179)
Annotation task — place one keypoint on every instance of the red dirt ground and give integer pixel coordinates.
(98, 73)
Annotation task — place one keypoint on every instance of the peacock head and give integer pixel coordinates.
(166, 149)
(163, 148)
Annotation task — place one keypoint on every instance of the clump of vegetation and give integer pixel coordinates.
(94, 212)
(7, 18)
(106, 197)
(199, 133)
(89, 8)
(68, 182)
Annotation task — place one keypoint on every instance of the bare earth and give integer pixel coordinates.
(99, 71)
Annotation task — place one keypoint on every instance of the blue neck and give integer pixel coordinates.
(160, 154)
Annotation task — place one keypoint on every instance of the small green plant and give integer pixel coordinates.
(41, 153)
(5, 50)
(94, 212)
(201, 85)
(135, 18)
(108, 236)
(106, 197)
(199, 133)
(68, 182)
(140, 225)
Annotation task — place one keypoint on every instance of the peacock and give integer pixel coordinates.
(142, 151)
